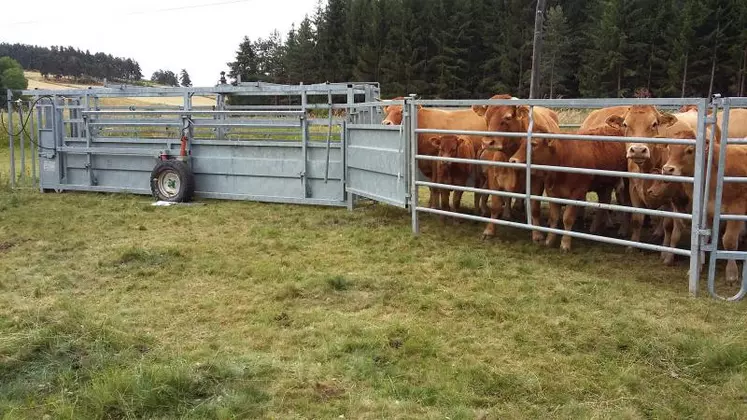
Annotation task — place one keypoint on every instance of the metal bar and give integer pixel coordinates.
(567, 169)
(559, 136)
(697, 208)
(528, 169)
(716, 223)
(34, 133)
(561, 201)
(343, 160)
(587, 236)
(304, 145)
(22, 141)
(136, 124)
(11, 140)
(412, 137)
(735, 179)
(89, 135)
(561, 103)
(329, 137)
(188, 112)
(734, 217)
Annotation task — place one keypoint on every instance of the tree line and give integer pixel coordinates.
(169, 78)
(58, 61)
(476, 48)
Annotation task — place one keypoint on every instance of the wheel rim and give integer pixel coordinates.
(169, 184)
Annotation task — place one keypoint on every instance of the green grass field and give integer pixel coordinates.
(113, 308)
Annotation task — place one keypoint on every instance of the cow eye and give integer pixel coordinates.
(689, 150)
(655, 124)
(625, 125)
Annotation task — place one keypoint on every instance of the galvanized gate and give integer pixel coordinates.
(377, 162)
(284, 153)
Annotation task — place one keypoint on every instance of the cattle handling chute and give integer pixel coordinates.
(675, 162)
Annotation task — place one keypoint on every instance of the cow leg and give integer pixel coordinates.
(506, 204)
(600, 215)
(554, 221)
(659, 230)
(669, 227)
(678, 226)
(569, 219)
(444, 198)
(518, 206)
(622, 196)
(433, 200)
(538, 186)
(496, 207)
(456, 200)
(731, 243)
(636, 219)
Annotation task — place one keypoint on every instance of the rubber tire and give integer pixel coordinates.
(186, 180)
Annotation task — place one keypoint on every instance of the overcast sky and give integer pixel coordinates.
(199, 35)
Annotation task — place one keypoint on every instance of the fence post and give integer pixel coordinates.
(528, 191)
(411, 119)
(34, 132)
(304, 141)
(22, 141)
(11, 142)
(696, 227)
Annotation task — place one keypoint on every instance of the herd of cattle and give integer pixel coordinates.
(623, 121)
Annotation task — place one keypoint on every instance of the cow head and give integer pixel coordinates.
(641, 121)
(660, 192)
(393, 113)
(448, 146)
(505, 118)
(681, 157)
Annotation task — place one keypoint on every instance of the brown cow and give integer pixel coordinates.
(681, 161)
(737, 120)
(645, 121)
(463, 119)
(450, 172)
(690, 117)
(602, 155)
(598, 117)
(515, 118)
(499, 179)
(670, 196)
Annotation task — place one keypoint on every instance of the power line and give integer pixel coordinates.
(145, 12)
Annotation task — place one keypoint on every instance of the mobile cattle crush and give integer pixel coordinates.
(324, 144)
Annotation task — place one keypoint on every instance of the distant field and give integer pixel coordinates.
(36, 81)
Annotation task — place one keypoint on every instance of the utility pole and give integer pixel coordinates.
(537, 49)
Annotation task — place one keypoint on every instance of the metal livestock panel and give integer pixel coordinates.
(697, 228)
(265, 153)
(376, 159)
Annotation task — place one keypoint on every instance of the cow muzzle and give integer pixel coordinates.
(638, 153)
(671, 170)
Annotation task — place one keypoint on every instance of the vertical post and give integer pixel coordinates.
(411, 136)
(22, 141)
(698, 204)
(304, 141)
(10, 140)
(528, 203)
(33, 133)
(536, 50)
(87, 132)
(715, 226)
(329, 135)
(220, 105)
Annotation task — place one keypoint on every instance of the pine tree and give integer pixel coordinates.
(184, 79)
(555, 66)
(246, 65)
